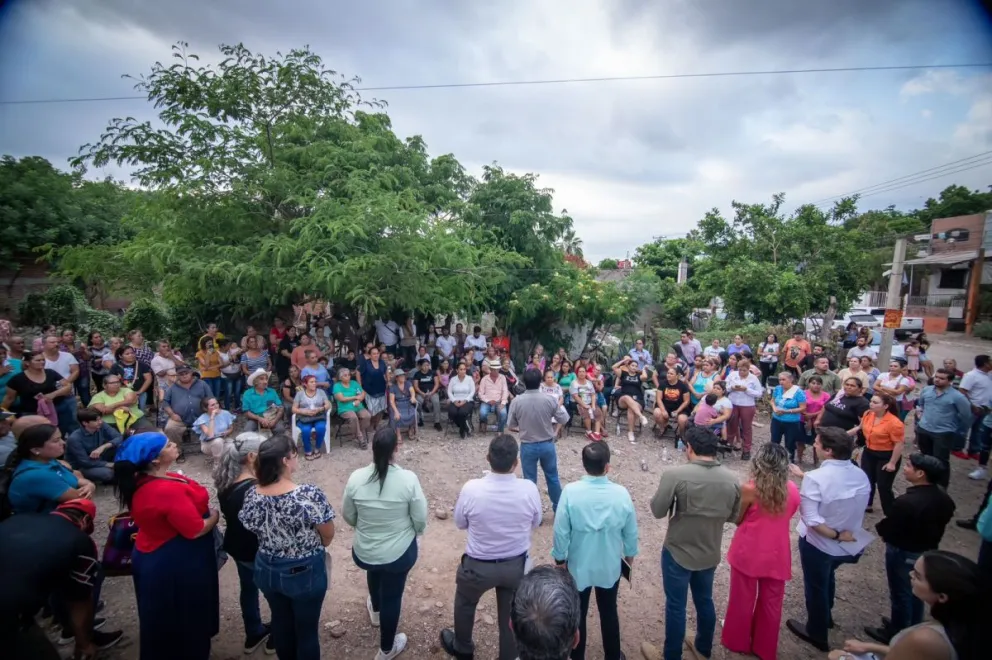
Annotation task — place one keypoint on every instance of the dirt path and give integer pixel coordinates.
(443, 465)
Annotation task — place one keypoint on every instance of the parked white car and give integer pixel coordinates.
(841, 321)
(911, 325)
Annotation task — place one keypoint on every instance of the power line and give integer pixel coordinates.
(901, 178)
(971, 166)
(563, 81)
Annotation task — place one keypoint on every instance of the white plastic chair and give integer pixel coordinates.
(327, 431)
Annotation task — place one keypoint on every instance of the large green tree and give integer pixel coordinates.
(272, 181)
(41, 206)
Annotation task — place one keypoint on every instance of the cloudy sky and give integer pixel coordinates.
(628, 160)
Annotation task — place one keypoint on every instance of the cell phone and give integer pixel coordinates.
(625, 569)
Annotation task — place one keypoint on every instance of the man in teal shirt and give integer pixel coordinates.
(595, 531)
(261, 405)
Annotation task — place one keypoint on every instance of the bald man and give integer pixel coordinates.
(22, 424)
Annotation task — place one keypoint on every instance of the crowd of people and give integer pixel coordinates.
(126, 413)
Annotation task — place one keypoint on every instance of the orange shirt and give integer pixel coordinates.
(882, 434)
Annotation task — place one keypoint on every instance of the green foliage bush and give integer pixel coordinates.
(150, 316)
(62, 305)
(983, 330)
(102, 321)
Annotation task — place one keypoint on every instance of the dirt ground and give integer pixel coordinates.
(443, 465)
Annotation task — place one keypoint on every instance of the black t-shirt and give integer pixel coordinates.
(845, 412)
(241, 544)
(43, 554)
(132, 375)
(27, 390)
(424, 381)
(630, 385)
(672, 395)
(808, 361)
(345, 363)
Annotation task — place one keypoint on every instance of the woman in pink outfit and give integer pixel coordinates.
(760, 556)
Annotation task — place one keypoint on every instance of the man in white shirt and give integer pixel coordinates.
(832, 510)
(388, 334)
(477, 342)
(977, 386)
(66, 366)
(862, 349)
(446, 344)
(713, 350)
(499, 511)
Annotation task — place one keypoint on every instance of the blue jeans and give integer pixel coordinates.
(216, 386)
(295, 589)
(819, 586)
(232, 391)
(792, 431)
(544, 452)
(906, 609)
(66, 410)
(386, 583)
(677, 582)
(250, 613)
(320, 426)
(486, 408)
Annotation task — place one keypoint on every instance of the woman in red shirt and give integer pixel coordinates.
(174, 564)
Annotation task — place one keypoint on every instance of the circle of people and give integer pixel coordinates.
(277, 531)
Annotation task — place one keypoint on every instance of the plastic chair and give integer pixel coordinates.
(297, 440)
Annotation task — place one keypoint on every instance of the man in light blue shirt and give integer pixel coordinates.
(595, 531)
(943, 415)
(641, 356)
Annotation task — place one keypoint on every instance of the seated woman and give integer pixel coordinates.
(957, 593)
(213, 426)
(40, 481)
(461, 398)
(714, 410)
(118, 404)
(174, 563)
(350, 400)
(631, 394)
(403, 406)
(310, 407)
(290, 386)
(672, 402)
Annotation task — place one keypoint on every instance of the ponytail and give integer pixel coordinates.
(383, 448)
(126, 476)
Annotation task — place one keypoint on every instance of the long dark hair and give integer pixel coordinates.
(889, 402)
(31, 438)
(383, 448)
(268, 465)
(965, 614)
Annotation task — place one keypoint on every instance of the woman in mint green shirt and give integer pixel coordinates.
(349, 398)
(387, 508)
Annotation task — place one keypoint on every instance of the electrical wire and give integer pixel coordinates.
(564, 81)
(901, 178)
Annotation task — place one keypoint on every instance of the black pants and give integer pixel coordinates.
(386, 583)
(609, 622)
(872, 463)
(939, 446)
(460, 414)
(767, 369)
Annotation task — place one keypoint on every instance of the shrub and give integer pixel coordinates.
(983, 330)
(150, 316)
(106, 323)
(63, 305)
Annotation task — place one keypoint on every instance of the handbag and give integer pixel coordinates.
(119, 547)
(47, 410)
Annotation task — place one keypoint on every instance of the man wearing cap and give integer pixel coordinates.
(44, 555)
(261, 405)
(182, 402)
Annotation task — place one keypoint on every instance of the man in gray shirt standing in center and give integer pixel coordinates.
(697, 498)
(533, 414)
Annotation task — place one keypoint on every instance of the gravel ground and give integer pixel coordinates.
(443, 465)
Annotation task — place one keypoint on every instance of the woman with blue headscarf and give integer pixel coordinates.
(174, 564)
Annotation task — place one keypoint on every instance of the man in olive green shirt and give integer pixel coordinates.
(821, 368)
(698, 498)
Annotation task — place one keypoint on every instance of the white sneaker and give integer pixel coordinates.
(615, 413)
(373, 615)
(630, 436)
(399, 645)
(644, 422)
(979, 473)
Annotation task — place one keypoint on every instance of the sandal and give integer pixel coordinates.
(309, 457)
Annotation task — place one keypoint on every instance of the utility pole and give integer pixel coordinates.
(974, 292)
(893, 306)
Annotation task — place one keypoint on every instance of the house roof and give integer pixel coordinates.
(942, 259)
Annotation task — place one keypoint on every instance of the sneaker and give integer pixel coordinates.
(631, 438)
(967, 523)
(270, 646)
(373, 615)
(66, 637)
(745, 456)
(650, 651)
(399, 645)
(598, 436)
(644, 422)
(690, 646)
(106, 640)
(979, 473)
(253, 642)
(591, 435)
(963, 455)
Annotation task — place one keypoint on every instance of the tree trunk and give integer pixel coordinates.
(828, 322)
